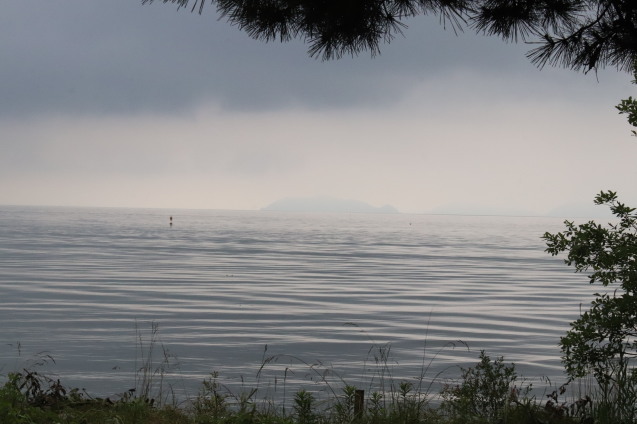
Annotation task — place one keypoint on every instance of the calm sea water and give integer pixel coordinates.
(228, 289)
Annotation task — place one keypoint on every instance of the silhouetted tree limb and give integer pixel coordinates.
(577, 34)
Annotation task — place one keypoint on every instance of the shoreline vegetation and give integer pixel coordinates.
(598, 355)
(489, 392)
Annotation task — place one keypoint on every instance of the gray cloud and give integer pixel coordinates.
(91, 56)
(104, 100)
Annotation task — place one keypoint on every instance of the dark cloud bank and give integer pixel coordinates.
(119, 57)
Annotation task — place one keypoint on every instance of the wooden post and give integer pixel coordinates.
(359, 403)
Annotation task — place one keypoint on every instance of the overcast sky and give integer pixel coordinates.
(111, 103)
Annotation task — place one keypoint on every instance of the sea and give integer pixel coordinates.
(107, 298)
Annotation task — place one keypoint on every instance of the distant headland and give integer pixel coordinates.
(326, 204)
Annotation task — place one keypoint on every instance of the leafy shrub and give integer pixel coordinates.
(485, 392)
(602, 341)
(304, 404)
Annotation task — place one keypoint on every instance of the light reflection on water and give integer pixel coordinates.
(222, 285)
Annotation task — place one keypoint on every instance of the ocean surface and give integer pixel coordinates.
(277, 299)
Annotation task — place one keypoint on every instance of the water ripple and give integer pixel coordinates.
(222, 285)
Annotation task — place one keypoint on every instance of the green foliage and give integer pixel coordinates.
(13, 402)
(486, 392)
(602, 340)
(211, 405)
(410, 406)
(22, 394)
(344, 407)
(616, 395)
(304, 405)
(629, 106)
(30, 398)
(376, 409)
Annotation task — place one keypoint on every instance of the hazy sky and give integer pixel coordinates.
(111, 103)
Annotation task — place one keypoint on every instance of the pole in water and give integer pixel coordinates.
(171, 221)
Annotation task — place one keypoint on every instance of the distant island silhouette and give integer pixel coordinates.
(326, 204)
